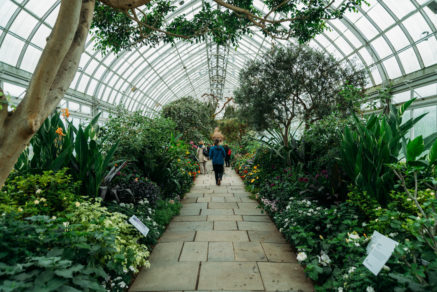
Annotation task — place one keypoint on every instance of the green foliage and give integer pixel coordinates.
(46, 194)
(233, 130)
(293, 83)
(369, 147)
(192, 117)
(78, 252)
(119, 30)
(56, 146)
(153, 145)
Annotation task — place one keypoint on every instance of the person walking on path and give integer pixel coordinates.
(217, 154)
(228, 152)
(202, 157)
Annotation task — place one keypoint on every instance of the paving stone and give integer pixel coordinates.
(284, 277)
(257, 218)
(190, 218)
(224, 218)
(203, 200)
(247, 199)
(166, 252)
(194, 251)
(249, 212)
(170, 236)
(249, 252)
(189, 200)
(279, 252)
(217, 212)
(222, 205)
(183, 275)
(229, 276)
(218, 199)
(219, 195)
(193, 195)
(232, 199)
(222, 236)
(190, 226)
(225, 225)
(220, 252)
(195, 206)
(253, 205)
(189, 212)
(266, 236)
(259, 226)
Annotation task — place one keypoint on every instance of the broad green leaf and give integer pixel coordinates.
(415, 148)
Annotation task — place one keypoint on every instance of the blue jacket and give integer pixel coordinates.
(217, 154)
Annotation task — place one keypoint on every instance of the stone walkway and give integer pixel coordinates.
(221, 241)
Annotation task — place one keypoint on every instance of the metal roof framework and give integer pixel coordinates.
(394, 40)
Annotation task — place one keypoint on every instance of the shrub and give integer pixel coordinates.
(81, 251)
(48, 193)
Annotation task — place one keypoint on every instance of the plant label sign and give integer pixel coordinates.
(379, 251)
(139, 225)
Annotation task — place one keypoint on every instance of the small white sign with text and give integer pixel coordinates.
(379, 250)
(139, 225)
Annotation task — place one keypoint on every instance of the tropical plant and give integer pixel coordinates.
(370, 146)
(56, 146)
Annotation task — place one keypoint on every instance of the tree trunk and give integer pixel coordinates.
(52, 77)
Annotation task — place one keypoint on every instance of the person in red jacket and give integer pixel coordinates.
(228, 152)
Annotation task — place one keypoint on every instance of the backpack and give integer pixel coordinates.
(205, 152)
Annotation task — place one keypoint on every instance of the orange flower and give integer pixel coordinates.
(59, 132)
(65, 113)
(198, 171)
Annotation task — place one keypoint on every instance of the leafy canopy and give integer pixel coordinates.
(193, 118)
(117, 29)
(293, 83)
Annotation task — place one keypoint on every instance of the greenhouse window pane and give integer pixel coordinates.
(409, 60)
(40, 37)
(7, 9)
(30, 59)
(343, 45)
(428, 124)
(375, 74)
(37, 8)
(84, 58)
(86, 109)
(401, 97)
(10, 50)
(381, 47)
(392, 68)
(83, 83)
(397, 38)
(400, 8)
(366, 28)
(100, 72)
(353, 39)
(366, 56)
(428, 51)
(426, 91)
(417, 26)
(73, 106)
(380, 16)
(14, 90)
(23, 24)
(432, 16)
(92, 87)
(92, 65)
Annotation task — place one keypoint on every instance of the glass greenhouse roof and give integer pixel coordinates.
(390, 38)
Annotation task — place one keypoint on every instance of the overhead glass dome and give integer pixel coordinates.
(395, 40)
